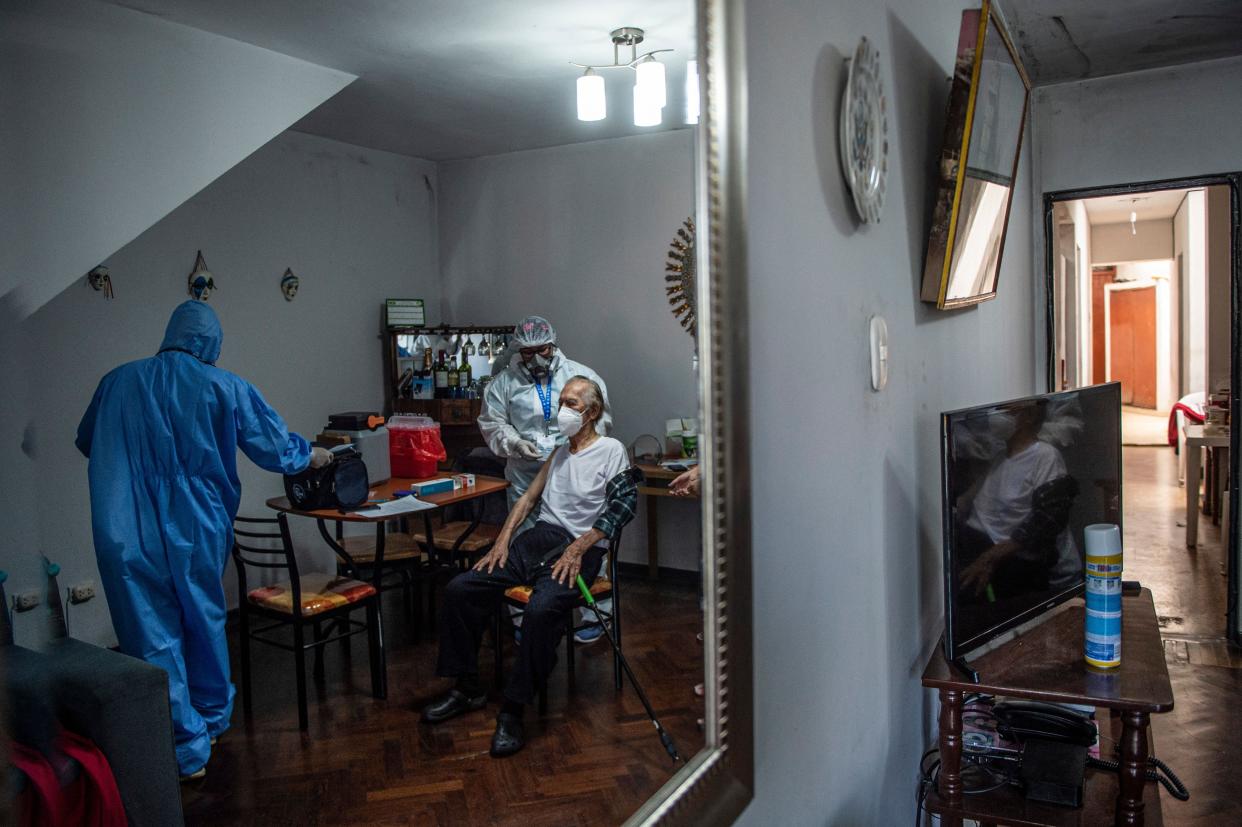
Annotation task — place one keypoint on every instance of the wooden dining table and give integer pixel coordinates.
(385, 492)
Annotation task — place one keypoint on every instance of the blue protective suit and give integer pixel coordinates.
(162, 436)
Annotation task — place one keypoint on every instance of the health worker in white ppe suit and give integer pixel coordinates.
(518, 420)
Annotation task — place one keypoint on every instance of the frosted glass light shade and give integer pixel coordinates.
(692, 91)
(651, 79)
(646, 112)
(592, 102)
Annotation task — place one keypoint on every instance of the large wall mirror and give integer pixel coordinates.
(979, 164)
(558, 188)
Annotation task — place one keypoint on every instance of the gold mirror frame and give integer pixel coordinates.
(953, 162)
(716, 784)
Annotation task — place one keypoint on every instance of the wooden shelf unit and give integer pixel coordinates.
(458, 418)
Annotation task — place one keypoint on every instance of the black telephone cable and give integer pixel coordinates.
(1171, 783)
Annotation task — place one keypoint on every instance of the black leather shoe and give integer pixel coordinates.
(451, 705)
(509, 737)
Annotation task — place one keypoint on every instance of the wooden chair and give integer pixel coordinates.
(458, 544)
(605, 586)
(303, 600)
(404, 559)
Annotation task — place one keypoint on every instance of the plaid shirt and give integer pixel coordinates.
(620, 502)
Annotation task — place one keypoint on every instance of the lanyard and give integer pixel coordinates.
(545, 398)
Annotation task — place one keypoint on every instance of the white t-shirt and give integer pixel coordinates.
(1004, 500)
(573, 495)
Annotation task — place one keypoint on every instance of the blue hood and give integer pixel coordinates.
(194, 329)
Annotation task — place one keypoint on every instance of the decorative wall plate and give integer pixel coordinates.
(864, 132)
(680, 276)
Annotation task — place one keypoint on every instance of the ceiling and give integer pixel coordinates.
(446, 79)
(1064, 40)
(1148, 206)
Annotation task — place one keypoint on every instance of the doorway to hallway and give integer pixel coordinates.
(1141, 282)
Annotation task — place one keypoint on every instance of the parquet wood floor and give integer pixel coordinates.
(592, 760)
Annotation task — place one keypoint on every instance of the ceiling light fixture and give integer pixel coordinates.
(1133, 218)
(592, 102)
(650, 93)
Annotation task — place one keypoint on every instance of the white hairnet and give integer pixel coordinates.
(532, 332)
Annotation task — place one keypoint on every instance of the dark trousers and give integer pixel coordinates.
(471, 597)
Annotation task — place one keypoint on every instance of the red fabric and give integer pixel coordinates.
(91, 799)
(1195, 417)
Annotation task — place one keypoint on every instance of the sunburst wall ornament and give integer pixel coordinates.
(680, 275)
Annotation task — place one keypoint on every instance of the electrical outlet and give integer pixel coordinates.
(81, 592)
(25, 601)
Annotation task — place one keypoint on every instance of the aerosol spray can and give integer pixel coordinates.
(1103, 632)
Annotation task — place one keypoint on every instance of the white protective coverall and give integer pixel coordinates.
(513, 410)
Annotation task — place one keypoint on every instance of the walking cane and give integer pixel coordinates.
(665, 738)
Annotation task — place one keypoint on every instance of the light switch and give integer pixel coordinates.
(879, 353)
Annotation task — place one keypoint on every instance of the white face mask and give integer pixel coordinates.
(569, 421)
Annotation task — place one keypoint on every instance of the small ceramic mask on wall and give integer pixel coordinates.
(289, 284)
(200, 281)
(99, 279)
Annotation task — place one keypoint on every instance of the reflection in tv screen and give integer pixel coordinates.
(1021, 481)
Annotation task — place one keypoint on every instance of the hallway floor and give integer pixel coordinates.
(1199, 738)
(1143, 426)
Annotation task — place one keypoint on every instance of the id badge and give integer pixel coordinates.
(545, 444)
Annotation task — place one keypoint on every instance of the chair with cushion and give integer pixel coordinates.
(605, 585)
(313, 599)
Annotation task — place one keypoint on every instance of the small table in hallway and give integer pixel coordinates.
(1196, 441)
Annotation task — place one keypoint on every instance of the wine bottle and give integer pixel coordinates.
(452, 379)
(441, 372)
(464, 377)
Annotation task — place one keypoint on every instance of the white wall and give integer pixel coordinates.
(1219, 280)
(111, 118)
(1143, 126)
(847, 569)
(1189, 246)
(1115, 242)
(356, 225)
(580, 234)
(1081, 256)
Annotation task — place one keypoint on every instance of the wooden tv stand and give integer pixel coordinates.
(1046, 664)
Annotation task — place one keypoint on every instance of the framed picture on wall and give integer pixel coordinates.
(404, 313)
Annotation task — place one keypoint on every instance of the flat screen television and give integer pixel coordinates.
(1021, 480)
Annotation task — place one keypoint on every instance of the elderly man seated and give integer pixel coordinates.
(585, 494)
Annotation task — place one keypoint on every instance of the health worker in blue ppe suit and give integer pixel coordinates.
(162, 436)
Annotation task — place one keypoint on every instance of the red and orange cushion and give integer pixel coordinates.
(521, 594)
(321, 592)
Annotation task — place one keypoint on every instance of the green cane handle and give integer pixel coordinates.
(586, 593)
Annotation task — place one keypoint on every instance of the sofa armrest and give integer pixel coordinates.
(122, 704)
